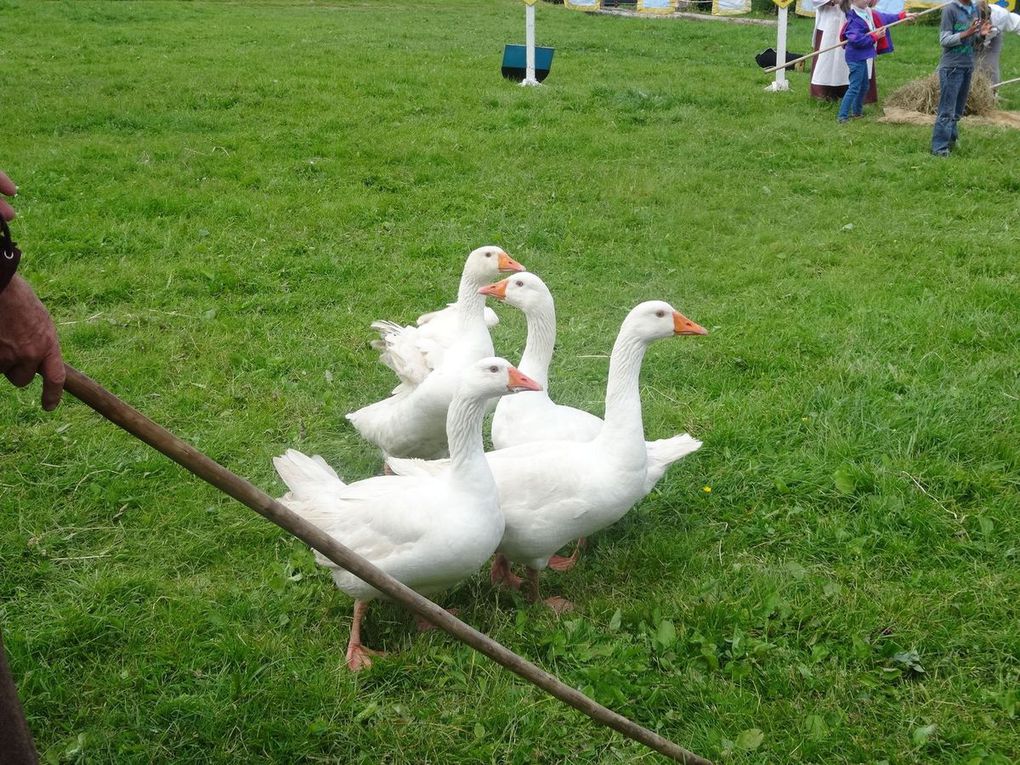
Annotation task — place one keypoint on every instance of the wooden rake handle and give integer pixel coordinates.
(777, 67)
(140, 426)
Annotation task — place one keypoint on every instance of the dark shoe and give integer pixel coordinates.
(940, 153)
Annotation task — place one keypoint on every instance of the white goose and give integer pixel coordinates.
(429, 532)
(554, 491)
(412, 421)
(414, 352)
(534, 416)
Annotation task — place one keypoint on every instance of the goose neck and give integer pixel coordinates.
(538, 348)
(623, 397)
(464, 435)
(470, 304)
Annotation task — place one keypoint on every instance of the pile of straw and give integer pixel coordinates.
(923, 95)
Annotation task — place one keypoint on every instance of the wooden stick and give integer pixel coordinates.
(138, 425)
(1005, 82)
(841, 44)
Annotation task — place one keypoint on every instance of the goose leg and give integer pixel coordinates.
(501, 573)
(556, 603)
(559, 563)
(359, 657)
(424, 625)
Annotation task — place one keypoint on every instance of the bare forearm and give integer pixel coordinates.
(16, 745)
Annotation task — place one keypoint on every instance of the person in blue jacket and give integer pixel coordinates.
(863, 43)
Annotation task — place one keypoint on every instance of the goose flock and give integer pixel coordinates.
(447, 506)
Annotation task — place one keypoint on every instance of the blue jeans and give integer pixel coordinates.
(853, 100)
(954, 85)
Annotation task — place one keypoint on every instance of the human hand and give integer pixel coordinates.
(7, 188)
(971, 30)
(28, 342)
(986, 29)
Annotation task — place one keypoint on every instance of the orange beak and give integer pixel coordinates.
(519, 382)
(497, 290)
(508, 265)
(684, 326)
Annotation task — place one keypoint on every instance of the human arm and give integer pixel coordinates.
(857, 34)
(883, 36)
(997, 17)
(28, 339)
(9, 254)
(1011, 23)
(28, 342)
(892, 18)
(949, 37)
(7, 188)
(15, 737)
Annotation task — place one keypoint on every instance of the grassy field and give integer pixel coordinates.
(218, 198)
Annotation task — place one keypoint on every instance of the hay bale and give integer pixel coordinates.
(917, 95)
(923, 95)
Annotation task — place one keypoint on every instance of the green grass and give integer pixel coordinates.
(216, 200)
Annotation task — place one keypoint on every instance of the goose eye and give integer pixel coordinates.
(493, 369)
(488, 254)
(660, 313)
(520, 283)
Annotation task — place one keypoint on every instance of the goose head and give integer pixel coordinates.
(493, 377)
(523, 290)
(655, 319)
(487, 263)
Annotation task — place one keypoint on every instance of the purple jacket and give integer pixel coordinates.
(860, 43)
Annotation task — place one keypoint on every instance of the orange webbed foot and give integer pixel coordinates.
(561, 563)
(359, 657)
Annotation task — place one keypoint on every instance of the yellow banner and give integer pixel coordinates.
(583, 5)
(656, 6)
(782, 3)
(730, 7)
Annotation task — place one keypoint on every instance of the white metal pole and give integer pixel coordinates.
(780, 83)
(529, 39)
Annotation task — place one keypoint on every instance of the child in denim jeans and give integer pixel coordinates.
(960, 31)
(863, 43)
